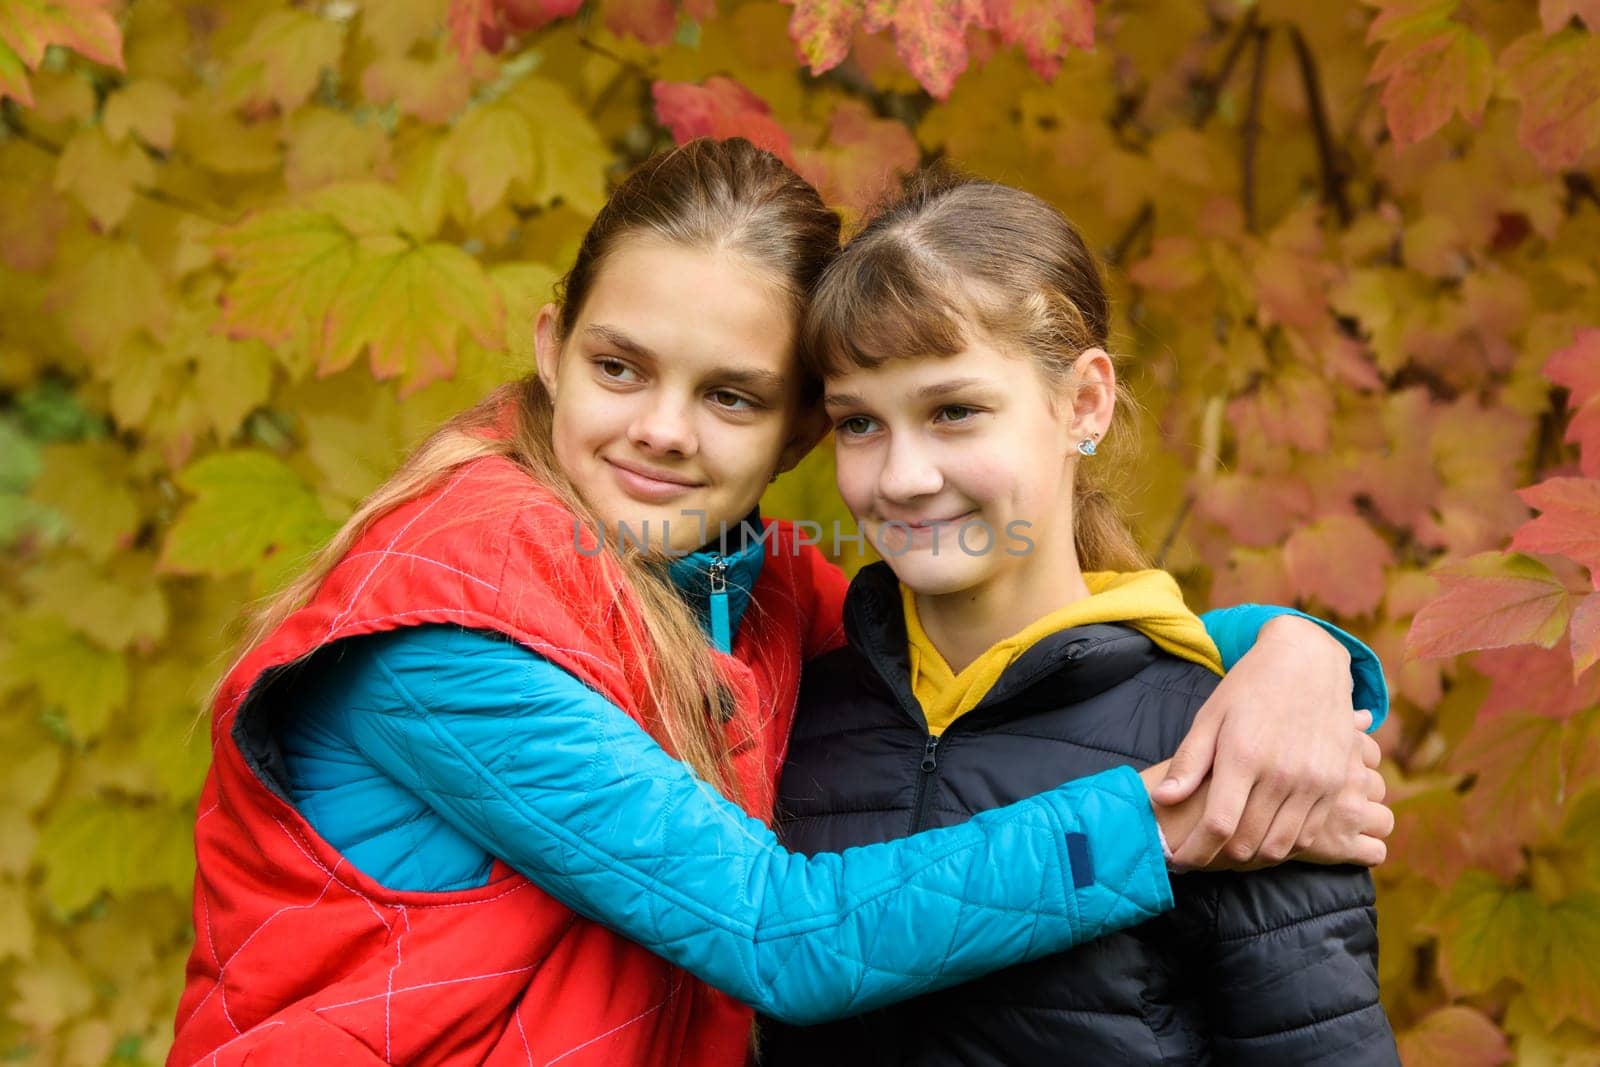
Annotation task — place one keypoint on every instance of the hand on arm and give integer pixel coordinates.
(1287, 761)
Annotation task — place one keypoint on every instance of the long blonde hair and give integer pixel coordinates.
(952, 251)
(721, 194)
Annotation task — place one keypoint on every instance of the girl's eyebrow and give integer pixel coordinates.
(744, 377)
(617, 339)
(927, 392)
(750, 378)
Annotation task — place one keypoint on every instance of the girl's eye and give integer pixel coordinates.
(854, 426)
(731, 401)
(956, 413)
(613, 369)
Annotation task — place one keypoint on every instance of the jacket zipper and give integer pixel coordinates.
(929, 767)
(721, 631)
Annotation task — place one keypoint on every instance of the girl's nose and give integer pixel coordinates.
(664, 427)
(908, 472)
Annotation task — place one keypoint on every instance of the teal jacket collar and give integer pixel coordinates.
(717, 584)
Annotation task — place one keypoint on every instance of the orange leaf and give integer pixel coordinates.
(1456, 1036)
(1578, 368)
(1556, 14)
(474, 26)
(29, 27)
(720, 107)
(525, 16)
(651, 21)
(1536, 680)
(1046, 29)
(930, 36)
(1491, 600)
(1429, 73)
(1585, 634)
(1520, 764)
(1569, 525)
(1557, 78)
(864, 157)
(1339, 561)
(822, 29)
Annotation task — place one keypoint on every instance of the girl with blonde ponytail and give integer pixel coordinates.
(492, 780)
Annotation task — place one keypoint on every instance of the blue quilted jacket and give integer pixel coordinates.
(376, 734)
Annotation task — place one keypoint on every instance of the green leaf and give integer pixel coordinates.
(284, 57)
(1487, 933)
(570, 158)
(95, 846)
(86, 484)
(410, 305)
(33, 759)
(250, 513)
(85, 682)
(288, 265)
(117, 606)
(491, 149)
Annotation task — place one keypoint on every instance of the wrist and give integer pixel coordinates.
(1302, 633)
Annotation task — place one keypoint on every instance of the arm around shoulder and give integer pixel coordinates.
(545, 773)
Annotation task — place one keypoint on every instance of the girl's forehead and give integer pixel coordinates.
(690, 306)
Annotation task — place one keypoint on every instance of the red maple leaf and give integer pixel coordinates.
(1578, 368)
(1569, 524)
(1491, 600)
(720, 107)
(1536, 680)
(1557, 78)
(1339, 561)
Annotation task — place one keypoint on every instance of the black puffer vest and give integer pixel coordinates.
(1272, 967)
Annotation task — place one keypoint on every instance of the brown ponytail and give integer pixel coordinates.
(704, 194)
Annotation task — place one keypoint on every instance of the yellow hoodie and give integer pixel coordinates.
(1147, 601)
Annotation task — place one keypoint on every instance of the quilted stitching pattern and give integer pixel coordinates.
(625, 835)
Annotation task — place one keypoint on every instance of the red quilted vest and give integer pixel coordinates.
(301, 958)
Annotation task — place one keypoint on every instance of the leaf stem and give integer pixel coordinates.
(1252, 129)
(1332, 172)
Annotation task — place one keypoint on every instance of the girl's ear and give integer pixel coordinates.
(547, 346)
(810, 426)
(1094, 400)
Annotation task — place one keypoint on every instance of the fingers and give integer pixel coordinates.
(1378, 820)
(1371, 754)
(1192, 762)
(1369, 851)
(1377, 786)
(1225, 805)
(1269, 796)
(1283, 836)
(1363, 720)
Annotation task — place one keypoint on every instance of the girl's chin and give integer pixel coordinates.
(926, 575)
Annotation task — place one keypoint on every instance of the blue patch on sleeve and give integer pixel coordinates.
(1082, 862)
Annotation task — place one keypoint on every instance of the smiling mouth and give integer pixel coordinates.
(928, 524)
(659, 477)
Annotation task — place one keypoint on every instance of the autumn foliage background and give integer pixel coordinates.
(250, 251)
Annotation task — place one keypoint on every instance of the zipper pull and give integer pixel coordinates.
(721, 631)
(929, 763)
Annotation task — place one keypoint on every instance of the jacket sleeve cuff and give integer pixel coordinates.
(1234, 630)
(1118, 873)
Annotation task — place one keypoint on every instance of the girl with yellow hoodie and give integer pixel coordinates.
(1015, 638)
